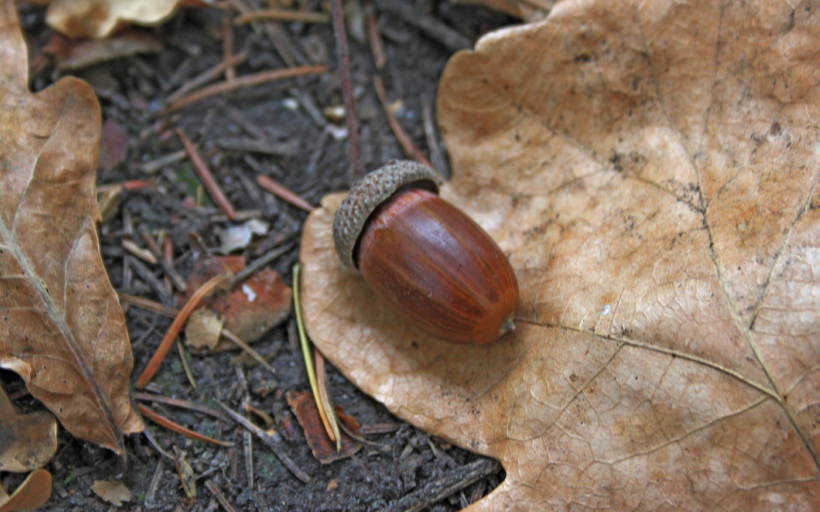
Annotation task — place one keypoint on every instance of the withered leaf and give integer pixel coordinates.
(33, 493)
(652, 170)
(99, 18)
(27, 441)
(61, 326)
(252, 307)
(112, 492)
(304, 407)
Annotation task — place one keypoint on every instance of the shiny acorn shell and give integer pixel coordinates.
(439, 270)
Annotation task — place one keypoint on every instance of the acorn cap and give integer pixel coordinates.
(367, 194)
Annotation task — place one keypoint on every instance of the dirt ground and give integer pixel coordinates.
(131, 90)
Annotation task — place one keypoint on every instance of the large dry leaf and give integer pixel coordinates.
(61, 326)
(652, 169)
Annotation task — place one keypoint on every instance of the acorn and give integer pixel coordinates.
(433, 264)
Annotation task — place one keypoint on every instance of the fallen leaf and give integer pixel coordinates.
(652, 170)
(525, 9)
(115, 493)
(304, 407)
(202, 330)
(249, 309)
(27, 441)
(99, 18)
(33, 493)
(61, 326)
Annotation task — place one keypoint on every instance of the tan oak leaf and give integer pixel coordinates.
(61, 326)
(651, 168)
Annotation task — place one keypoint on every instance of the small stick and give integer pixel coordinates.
(163, 161)
(446, 485)
(258, 263)
(428, 24)
(150, 436)
(165, 345)
(375, 38)
(406, 142)
(317, 153)
(185, 366)
(269, 441)
(436, 154)
(247, 439)
(176, 427)
(242, 82)
(356, 166)
(206, 177)
(150, 278)
(244, 346)
(139, 252)
(207, 75)
(219, 496)
(278, 35)
(178, 402)
(283, 193)
(142, 302)
(282, 15)
(156, 479)
(179, 283)
(227, 48)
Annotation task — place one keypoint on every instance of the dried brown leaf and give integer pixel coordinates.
(304, 407)
(61, 326)
(33, 493)
(115, 493)
(27, 441)
(651, 168)
(202, 329)
(99, 18)
(249, 309)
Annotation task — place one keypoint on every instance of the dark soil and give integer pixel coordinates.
(131, 90)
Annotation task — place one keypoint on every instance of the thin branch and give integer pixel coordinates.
(284, 193)
(343, 60)
(165, 345)
(242, 82)
(269, 441)
(406, 142)
(176, 427)
(206, 177)
(282, 15)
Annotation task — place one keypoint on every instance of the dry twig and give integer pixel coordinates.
(176, 427)
(406, 142)
(165, 345)
(282, 15)
(206, 177)
(242, 82)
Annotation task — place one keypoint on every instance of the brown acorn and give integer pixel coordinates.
(438, 269)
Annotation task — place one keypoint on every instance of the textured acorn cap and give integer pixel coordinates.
(367, 194)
